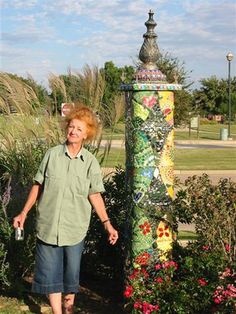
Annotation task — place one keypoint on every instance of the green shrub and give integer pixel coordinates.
(100, 258)
(212, 208)
(18, 165)
(195, 281)
(200, 278)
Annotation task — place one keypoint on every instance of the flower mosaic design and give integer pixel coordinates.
(163, 231)
(146, 227)
(150, 132)
(149, 101)
(142, 259)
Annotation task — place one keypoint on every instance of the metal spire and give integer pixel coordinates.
(149, 51)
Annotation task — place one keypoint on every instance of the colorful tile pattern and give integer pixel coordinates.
(150, 154)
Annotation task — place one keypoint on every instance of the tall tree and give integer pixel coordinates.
(113, 99)
(212, 96)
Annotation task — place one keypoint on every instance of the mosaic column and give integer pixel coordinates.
(149, 154)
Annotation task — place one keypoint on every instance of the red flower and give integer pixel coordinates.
(146, 227)
(158, 266)
(206, 247)
(218, 300)
(128, 292)
(145, 273)
(227, 247)
(169, 264)
(134, 274)
(137, 305)
(202, 282)
(159, 280)
(149, 308)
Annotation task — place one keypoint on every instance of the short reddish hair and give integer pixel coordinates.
(85, 114)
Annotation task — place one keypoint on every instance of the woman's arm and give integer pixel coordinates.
(98, 204)
(34, 193)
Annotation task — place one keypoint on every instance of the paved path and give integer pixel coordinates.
(183, 143)
(215, 175)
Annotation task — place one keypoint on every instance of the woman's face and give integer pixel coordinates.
(76, 131)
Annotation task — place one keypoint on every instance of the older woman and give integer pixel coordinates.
(67, 183)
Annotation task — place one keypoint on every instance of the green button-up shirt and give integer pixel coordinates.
(64, 211)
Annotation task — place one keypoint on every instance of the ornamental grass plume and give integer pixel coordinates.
(16, 96)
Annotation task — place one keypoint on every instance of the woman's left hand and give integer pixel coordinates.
(112, 233)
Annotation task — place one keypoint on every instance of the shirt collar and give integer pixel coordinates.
(79, 155)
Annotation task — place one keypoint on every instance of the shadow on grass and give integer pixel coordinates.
(96, 296)
(99, 296)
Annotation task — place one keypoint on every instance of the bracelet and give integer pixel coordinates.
(24, 213)
(105, 221)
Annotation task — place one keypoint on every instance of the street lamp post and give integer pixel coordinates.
(229, 57)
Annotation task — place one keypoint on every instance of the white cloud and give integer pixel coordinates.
(17, 4)
(89, 31)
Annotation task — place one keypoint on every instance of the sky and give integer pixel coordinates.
(39, 37)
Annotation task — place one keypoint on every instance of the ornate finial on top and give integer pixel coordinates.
(149, 51)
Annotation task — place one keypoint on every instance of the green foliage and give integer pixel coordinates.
(183, 102)
(212, 208)
(113, 100)
(16, 96)
(42, 99)
(212, 97)
(200, 278)
(100, 257)
(196, 281)
(18, 165)
(174, 70)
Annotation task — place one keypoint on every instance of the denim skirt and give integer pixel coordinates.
(57, 268)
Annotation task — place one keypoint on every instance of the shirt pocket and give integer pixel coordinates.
(81, 185)
(53, 182)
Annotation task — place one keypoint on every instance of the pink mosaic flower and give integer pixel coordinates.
(149, 101)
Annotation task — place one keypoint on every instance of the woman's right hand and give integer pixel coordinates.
(19, 220)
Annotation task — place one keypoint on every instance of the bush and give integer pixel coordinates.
(100, 258)
(200, 278)
(18, 165)
(212, 208)
(195, 281)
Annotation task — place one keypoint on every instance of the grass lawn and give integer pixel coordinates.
(10, 305)
(205, 159)
(187, 159)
